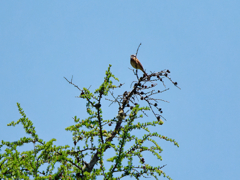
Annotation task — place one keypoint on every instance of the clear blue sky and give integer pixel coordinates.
(198, 41)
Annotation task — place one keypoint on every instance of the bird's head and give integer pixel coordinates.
(133, 56)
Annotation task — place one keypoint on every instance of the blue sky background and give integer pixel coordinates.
(198, 41)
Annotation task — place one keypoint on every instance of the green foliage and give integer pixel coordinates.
(91, 138)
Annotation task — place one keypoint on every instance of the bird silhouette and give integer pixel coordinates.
(136, 63)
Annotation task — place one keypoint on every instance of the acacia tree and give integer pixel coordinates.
(92, 139)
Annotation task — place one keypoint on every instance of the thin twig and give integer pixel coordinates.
(138, 48)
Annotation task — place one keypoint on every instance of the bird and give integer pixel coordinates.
(136, 63)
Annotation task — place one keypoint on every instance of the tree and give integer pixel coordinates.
(90, 137)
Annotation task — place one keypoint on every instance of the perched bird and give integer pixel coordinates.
(136, 63)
